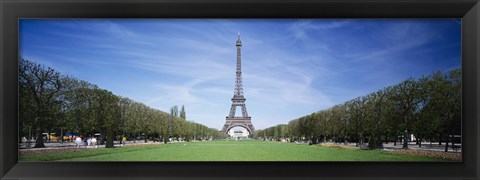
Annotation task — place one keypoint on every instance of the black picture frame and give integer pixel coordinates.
(12, 10)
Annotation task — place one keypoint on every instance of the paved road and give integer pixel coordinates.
(425, 146)
(66, 144)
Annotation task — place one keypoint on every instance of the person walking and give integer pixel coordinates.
(85, 143)
(94, 142)
(124, 139)
(78, 141)
(89, 142)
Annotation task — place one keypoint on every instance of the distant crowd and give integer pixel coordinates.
(87, 142)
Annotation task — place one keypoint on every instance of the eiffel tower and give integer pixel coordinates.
(238, 100)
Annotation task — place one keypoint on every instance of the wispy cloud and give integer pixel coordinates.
(302, 28)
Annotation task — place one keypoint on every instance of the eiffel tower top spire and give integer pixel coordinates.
(238, 80)
(239, 43)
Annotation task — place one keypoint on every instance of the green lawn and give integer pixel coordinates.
(226, 151)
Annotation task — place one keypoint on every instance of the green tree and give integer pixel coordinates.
(49, 101)
(182, 113)
(81, 115)
(357, 112)
(442, 109)
(40, 87)
(320, 125)
(337, 125)
(109, 112)
(375, 118)
(406, 98)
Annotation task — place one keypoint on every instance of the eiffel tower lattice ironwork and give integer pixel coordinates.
(238, 99)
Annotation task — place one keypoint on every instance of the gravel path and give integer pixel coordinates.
(71, 146)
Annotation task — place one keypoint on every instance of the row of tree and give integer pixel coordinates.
(429, 108)
(50, 102)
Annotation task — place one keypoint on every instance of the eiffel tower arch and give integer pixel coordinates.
(238, 100)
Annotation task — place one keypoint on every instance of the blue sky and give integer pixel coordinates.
(291, 67)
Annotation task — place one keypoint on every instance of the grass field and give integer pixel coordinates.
(250, 150)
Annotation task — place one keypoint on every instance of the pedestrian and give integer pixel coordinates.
(85, 143)
(78, 141)
(94, 142)
(89, 141)
(124, 139)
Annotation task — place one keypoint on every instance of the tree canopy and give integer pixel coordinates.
(51, 102)
(427, 108)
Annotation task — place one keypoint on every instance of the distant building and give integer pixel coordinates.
(238, 134)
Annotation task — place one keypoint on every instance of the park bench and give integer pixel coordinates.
(456, 147)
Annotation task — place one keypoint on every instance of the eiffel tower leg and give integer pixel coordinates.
(225, 127)
(244, 110)
(232, 110)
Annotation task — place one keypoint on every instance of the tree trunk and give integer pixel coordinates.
(431, 139)
(379, 143)
(453, 141)
(110, 138)
(371, 143)
(439, 139)
(357, 140)
(395, 138)
(419, 140)
(446, 144)
(39, 141)
(165, 139)
(145, 138)
(103, 138)
(405, 139)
